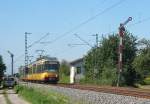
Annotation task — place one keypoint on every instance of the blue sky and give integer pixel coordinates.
(58, 17)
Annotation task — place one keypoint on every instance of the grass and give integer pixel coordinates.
(64, 79)
(147, 81)
(38, 96)
(6, 97)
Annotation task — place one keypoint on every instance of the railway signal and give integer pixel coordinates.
(121, 35)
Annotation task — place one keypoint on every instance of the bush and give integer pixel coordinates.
(107, 77)
(147, 81)
(64, 79)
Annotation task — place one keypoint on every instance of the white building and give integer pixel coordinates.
(80, 70)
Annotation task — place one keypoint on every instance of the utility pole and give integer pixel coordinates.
(121, 35)
(95, 56)
(96, 35)
(12, 62)
(26, 53)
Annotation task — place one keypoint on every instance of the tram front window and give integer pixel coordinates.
(51, 67)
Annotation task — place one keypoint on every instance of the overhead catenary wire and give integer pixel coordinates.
(75, 44)
(38, 40)
(31, 45)
(133, 24)
(78, 26)
(83, 40)
(86, 21)
(140, 21)
(146, 19)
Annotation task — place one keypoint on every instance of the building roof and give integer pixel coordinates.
(76, 61)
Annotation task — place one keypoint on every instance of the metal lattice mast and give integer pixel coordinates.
(121, 35)
(26, 52)
(95, 56)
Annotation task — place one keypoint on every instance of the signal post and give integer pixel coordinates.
(121, 35)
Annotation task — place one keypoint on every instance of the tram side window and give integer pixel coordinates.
(46, 66)
(29, 70)
(42, 67)
(38, 68)
(34, 68)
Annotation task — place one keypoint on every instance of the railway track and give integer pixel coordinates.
(140, 93)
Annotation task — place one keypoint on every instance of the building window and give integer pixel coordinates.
(78, 70)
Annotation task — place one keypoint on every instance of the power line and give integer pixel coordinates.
(140, 21)
(31, 45)
(75, 44)
(86, 21)
(133, 24)
(83, 40)
(78, 26)
(38, 40)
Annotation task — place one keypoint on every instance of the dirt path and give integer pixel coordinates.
(145, 87)
(12, 97)
(2, 99)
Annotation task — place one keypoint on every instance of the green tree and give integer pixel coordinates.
(101, 62)
(64, 68)
(2, 67)
(64, 72)
(129, 53)
(142, 62)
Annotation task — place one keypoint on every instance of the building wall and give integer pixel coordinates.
(80, 71)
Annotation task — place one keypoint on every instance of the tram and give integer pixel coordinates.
(44, 69)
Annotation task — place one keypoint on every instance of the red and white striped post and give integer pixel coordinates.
(121, 35)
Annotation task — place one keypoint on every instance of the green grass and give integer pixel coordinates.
(38, 96)
(64, 79)
(147, 81)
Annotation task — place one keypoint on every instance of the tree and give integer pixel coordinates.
(102, 59)
(101, 62)
(2, 67)
(64, 68)
(129, 53)
(64, 72)
(142, 62)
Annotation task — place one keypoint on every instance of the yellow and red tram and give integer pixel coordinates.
(44, 69)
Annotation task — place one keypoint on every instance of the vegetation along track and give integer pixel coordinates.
(140, 93)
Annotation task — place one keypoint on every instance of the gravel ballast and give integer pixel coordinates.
(91, 97)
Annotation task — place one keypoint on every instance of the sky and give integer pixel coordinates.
(62, 19)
